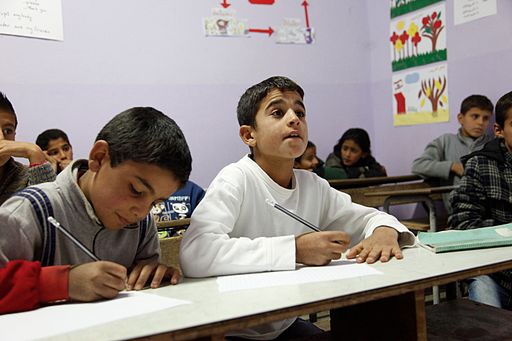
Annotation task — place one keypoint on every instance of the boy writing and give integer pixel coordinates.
(441, 158)
(139, 158)
(13, 175)
(484, 199)
(233, 230)
(56, 147)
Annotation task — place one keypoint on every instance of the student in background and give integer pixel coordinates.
(55, 145)
(484, 199)
(310, 161)
(179, 205)
(139, 158)
(442, 157)
(13, 175)
(234, 230)
(352, 153)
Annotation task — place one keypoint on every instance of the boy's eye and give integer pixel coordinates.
(8, 131)
(65, 148)
(52, 152)
(277, 113)
(300, 114)
(134, 191)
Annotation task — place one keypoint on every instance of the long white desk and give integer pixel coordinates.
(212, 314)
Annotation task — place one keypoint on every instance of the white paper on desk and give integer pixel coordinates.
(63, 318)
(336, 270)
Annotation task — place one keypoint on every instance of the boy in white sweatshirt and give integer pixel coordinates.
(233, 230)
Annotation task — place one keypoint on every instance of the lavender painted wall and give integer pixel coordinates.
(478, 62)
(122, 53)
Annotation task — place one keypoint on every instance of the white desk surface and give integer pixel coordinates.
(209, 306)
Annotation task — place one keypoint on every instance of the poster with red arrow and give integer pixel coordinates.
(223, 22)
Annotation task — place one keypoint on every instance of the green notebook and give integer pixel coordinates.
(457, 240)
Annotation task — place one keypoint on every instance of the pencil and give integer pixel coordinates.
(68, 234)
(293, 215)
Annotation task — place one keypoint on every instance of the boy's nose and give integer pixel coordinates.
(293, 118)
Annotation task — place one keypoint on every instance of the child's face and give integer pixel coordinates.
(7, 132)
(474, 122)
(308, 161)
(60, 150)
(125, 194)
(505, 132)
(351, 153)
(281, 129)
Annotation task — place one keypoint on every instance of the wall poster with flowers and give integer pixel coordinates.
(419, 38)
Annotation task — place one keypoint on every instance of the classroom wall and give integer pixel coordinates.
(123, 53)
(478, 62)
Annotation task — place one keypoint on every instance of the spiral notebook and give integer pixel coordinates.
(457, 240)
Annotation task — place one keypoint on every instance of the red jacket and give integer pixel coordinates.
(26, 285)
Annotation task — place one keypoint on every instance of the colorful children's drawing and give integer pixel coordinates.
(399, 7)
(418, 39)
(293, 32)
(421, 96)
(223, 23)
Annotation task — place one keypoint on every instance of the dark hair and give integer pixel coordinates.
(46, 136)
(310, 145)
(358, 135)
(249, 103)
(6, 106)
(502, 107)
(476, 101)
(146, 135)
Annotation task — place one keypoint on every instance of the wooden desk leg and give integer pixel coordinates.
(399, 317)
(421, 319)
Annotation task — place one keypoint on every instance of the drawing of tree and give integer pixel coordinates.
(433, 89)
(432, 27)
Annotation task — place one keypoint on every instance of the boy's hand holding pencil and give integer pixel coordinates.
(320, 248)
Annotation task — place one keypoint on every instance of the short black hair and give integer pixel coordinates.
(476, 101)
(358, 135)
(250, 101)
(6, 106)
(502, 108)
(146, 135)
(46, 136)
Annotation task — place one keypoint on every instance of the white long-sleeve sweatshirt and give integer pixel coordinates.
(233, 230)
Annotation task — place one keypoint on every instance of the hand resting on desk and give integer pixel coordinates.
(319, 248)
(141, 273)
(381, 245)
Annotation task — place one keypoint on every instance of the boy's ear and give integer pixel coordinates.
(98, 155)
(459, 117)
(498, 132)
(247, 134)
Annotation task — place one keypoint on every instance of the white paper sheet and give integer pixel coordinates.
(32, 18)
(59, 319)
(469, 10)
(336, 270)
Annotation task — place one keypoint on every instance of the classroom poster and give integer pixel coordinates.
(294, 32)
(419, 38)
(400, 7)
(421, 96)
(469, 10)
(32, 18)
(224, 23)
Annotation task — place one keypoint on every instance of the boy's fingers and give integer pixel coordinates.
(158, 276)
(134, 275)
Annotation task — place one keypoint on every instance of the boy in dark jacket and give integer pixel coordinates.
(484, 198)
